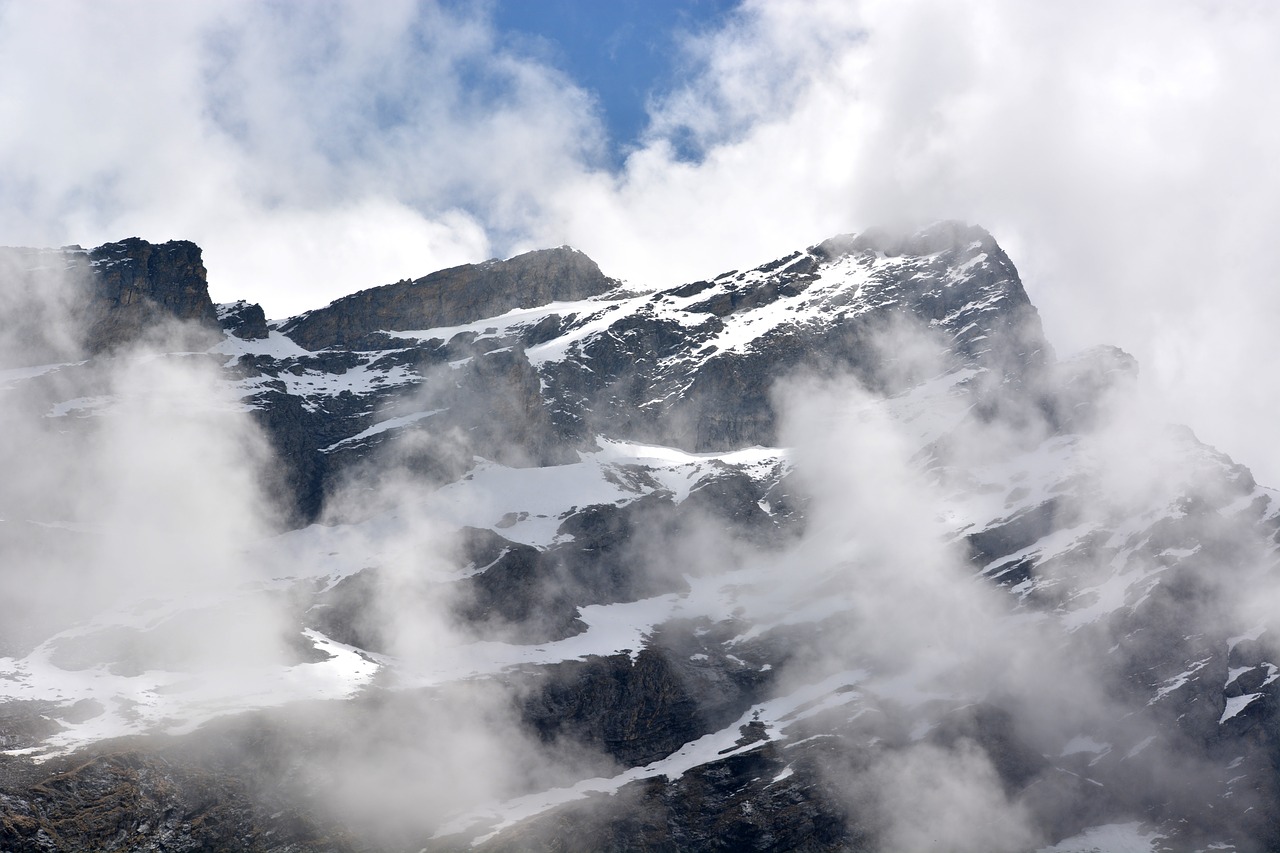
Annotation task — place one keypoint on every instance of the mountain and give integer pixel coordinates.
(830, 554)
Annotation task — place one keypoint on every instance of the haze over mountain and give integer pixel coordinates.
(833, 553)
(1122, 151)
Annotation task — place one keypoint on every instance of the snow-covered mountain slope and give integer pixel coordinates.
(832, 554)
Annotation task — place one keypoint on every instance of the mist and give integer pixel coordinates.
(963, 555)
(1122, 153)
(936, 643)
(132, 476)
(143, 552)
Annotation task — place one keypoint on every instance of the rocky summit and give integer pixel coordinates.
(831, 554)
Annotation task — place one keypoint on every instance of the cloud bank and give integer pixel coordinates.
(1120, 152)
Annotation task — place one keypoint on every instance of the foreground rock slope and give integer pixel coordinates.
(830, 554)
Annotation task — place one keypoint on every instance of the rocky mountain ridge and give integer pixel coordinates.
(713, 611)
(115, 294)
(450, 297)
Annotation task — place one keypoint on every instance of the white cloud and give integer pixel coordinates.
(1121, 151)
(311, 153)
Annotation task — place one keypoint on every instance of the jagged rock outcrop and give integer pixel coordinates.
(450, 297)
(635, 576)
(696, 365)
(734, 804)
(692, 366)
(136, 284)
(243, 319)
(137, 800)
(97, 300)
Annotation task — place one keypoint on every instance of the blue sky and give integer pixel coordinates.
(622, 51)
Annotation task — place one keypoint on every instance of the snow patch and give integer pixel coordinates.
(1109, 838)
(1084, 743)
(381, 427)
(1235, 705)
(709, 748)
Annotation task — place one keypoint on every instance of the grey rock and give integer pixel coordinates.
(451, 297)
(243, 319)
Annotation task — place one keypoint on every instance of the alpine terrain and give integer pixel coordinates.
(832, 554)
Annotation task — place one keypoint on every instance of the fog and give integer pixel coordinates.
(934, 637)
(1110, 166)
(132, 476)
(138, 541)
(136, 515)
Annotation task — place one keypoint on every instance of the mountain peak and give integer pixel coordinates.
(936, 237)
(110, 295)
(460, 294)
(741, 549)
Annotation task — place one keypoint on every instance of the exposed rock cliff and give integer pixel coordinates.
(244, 320)
(106, 297)
(449, 297)
(136, 284)
(590, 525)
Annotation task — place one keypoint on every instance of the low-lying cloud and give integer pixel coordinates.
(135, 475)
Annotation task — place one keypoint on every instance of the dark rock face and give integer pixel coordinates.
(696, 368)
(297, 482)
(726, 805)
(135, 800)
(681, 686)
(653, 372)
(637, 712)
(244, 320)
(519, 593)
(657, 374)
(25, 723)
(107, 297)
(136, 284)
(451, 297)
